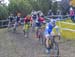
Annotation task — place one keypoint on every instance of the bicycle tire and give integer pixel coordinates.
(57, 53)
(41, 38)
(57, 50)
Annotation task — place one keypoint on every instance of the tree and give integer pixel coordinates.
(21, 6)
(65, 6)
(26, 6)
(43, 5)
(54, 7)
(3, 12)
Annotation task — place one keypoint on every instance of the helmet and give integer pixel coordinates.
(53, 22)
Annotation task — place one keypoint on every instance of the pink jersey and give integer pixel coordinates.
(71, 13)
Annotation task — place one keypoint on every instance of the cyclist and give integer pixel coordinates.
(10, 21)
(48, 32)
(17, 21)
(34, 17)
(42, 21)
(27, 21)
(39, 22)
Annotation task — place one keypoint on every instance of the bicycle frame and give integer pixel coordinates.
(51, 43)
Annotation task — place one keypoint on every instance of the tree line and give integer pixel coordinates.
(26, 6)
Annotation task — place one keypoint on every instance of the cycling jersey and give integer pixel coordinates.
(38, 24)
(34, 17)
(27, 19)
(10, 18)
(49, 27)
(17, 19)
(40, 21)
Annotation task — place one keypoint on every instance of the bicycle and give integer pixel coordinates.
(10, 25)
(16, 25)
(53, 45)
(41, 34)
(57, 46)
(26, 30)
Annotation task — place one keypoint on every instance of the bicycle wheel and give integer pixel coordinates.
(40, 34)
(14, 27)
(9, 26)
(50, 44)
(56, 52)
(56, 49)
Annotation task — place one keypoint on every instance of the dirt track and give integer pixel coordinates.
(15, 45)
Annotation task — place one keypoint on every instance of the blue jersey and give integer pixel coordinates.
(49, 28)
(17, 19)
(10, 18)
(38, 24)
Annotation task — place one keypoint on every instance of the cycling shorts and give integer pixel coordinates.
(38, 24)
(48, 34)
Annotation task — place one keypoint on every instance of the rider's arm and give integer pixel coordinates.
(31, 20)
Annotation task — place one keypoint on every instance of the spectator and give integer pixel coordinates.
(72, 14)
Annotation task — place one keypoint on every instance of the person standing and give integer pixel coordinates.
(72, 14)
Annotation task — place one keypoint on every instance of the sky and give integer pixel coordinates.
(58, 0)
(6, 1)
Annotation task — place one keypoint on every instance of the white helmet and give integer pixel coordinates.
(53, 22)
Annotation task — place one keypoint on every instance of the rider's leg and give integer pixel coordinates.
(33, 26)
(9, 24)
(24, 29)
(36, 31)
(47, 39)
(48, 50)
(15, 25)
(47, 44)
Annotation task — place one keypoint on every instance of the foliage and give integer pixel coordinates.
(3, 12)
(21, 6)
(26, 6)
(54, 7)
